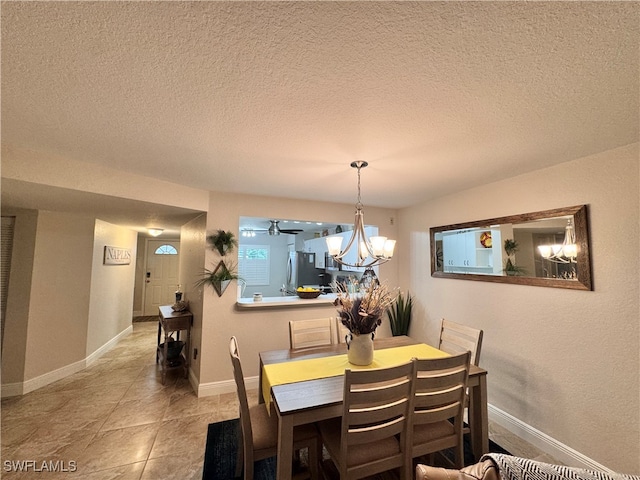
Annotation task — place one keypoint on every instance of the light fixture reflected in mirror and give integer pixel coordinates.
(154, 232)
(378, 248)
(565, 253)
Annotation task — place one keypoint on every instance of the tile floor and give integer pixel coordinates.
(115, 420)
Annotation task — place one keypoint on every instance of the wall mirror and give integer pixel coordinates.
(548, 248)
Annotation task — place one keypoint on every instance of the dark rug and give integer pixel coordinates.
(222, 444)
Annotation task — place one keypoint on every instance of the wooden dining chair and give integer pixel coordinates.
(372, 434)
(440, 386)
(310, 333)
(341, 331)
(259, 430)
(457, 338)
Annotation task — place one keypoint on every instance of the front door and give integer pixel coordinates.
(161, 274)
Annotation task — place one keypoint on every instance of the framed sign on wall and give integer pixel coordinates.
(116, 255)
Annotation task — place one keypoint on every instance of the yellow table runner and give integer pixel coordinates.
(324, 367)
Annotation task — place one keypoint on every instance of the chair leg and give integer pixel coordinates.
(314, 460)
(239, 462)
(459, 455)
(239, 454)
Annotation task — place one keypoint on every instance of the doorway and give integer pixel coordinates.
(161, 274)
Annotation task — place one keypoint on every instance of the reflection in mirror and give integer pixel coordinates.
(549, 248)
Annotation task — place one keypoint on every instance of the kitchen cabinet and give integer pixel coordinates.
(463, 251)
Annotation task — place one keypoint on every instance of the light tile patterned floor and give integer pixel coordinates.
(115, 420)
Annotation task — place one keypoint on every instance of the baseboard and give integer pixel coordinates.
(558, 450)
(11, 390)
(137, 313)
(50, 377)
(108, 346)
(21, 388)
(226, 386)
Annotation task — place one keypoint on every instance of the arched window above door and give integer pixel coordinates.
(166, 250)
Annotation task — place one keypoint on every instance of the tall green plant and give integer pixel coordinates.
(400, 315)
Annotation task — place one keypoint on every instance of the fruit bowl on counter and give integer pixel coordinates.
(308, 293)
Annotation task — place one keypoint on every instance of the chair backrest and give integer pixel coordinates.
(377, 406)
(440, 386)
(457, 338)
(310, 333)
(341, 331)
(245, 418)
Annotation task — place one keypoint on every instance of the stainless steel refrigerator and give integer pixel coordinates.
(301, 270)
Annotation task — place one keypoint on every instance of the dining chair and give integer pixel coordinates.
(437, 422)
(457, 338)
(341, 331)
(310, 333)
(259, 430)
(372, 434)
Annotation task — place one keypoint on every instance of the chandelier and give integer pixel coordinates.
(562, 253)
(371, 251)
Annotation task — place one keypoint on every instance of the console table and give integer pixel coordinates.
(169, 322)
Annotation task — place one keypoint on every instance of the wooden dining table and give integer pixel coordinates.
(309, 401)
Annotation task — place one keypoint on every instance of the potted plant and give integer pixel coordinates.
(362, 313)
(510, 268)
(223, 242)
(219, 278)
(400, 315)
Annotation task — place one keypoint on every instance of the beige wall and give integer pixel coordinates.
(49, 169)
(63, 304)
(59, 304)
(111, 290)
(192, 253)
(565, 362)
(138, 299)
(267, 329)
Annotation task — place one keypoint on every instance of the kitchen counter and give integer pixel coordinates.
(286, 302)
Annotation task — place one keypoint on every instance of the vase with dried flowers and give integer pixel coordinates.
(362, 313)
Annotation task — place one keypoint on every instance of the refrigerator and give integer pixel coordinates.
(301, 270)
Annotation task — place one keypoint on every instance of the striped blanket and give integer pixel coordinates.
(517, 468)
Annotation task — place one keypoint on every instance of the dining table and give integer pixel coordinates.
(307, 385)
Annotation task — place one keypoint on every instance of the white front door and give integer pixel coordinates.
(161, 274)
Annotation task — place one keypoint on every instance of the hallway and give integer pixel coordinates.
(114, 419)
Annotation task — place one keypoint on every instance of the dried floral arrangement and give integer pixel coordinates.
(361, 313)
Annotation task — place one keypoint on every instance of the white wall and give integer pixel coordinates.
(111, 291)
(564, 362)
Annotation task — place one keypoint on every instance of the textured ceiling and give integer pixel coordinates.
(277, 98)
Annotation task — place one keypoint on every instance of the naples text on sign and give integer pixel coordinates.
(117, 255)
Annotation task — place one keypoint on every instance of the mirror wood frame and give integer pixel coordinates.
(583, 261)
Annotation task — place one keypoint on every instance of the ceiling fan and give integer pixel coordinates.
(274, 229)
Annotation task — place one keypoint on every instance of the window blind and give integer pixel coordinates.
(6, 241)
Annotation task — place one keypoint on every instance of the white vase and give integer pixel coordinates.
(360, 349)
